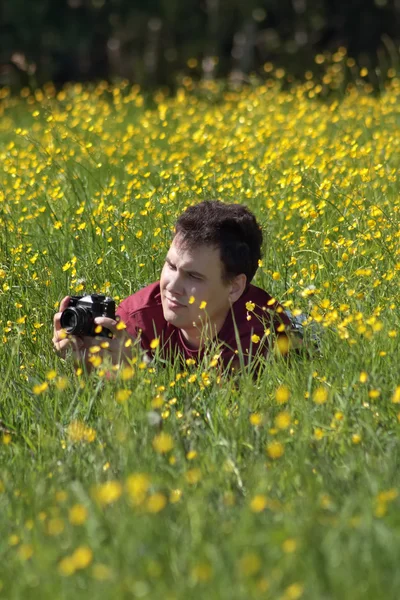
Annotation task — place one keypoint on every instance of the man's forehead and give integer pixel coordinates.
(186, 251)
(201, 258)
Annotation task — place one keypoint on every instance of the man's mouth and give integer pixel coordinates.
(174, 303)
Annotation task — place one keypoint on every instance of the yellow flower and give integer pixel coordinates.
(258, 503)
(61, 383)
(363, 377)
(320, 395)
(202, 572)
(373, 394)
(66, 566)
(289, 546)
(25, 551)
(82, 557)
(250, 564)
(156, 503)
(396, 395)
(40, 388)
(163, 443)
(137, 486)
(192, 300)
(250, 306)
(101, 572)
(356, 438)
(255, 339)
(108, 492)
(282, 420)
(193, 476)
(154, 343)
(175, 496)
(293, 592)
(122, 395)
(256, 419)
(275, 450)
(77, 514)
(79, 432)
(282, 394)
(203, 305)
(55, 526)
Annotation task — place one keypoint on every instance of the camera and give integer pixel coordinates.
(78, 318)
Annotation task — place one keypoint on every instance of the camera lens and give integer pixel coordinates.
(76, 320)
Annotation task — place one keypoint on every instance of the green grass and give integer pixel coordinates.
(242, 496)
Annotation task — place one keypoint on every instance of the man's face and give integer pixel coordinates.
(193, 273)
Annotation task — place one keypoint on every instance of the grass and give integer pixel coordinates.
(168, 483)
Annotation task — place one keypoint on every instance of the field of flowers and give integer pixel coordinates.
(163, 483)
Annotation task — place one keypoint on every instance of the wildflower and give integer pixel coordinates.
(282, 394)
(250, 564)
(55, 526)
(289, 546)
(282, 420)
(275, 450)
(122, 395)
(175, 496)
(256, 419)
(78, 514)
(363, 377)
(320, 395)
(101, 572)
(156, 503)
(203, 305)
(25, 551)
(255, 339)
(250, 306)
(137, 486)
(396, 395)
(40, 388)
(163, 443)
(258, 503)
(108, 492)
(202, 572)
(82, 557)
(79, 432)
(193, 476)
(154, 343)
(293, 592)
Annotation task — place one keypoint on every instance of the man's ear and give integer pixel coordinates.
(238, 286)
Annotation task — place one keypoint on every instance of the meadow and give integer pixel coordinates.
(171, 483)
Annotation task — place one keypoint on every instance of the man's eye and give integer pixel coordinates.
(171, 266)
(194, 276)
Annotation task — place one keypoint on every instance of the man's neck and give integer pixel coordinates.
(197, 337)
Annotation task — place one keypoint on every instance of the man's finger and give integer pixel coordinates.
(110, 324)
(57, 317)
(64, 303)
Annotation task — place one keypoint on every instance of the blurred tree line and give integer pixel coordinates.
(153, 41)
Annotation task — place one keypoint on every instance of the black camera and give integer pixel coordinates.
(78, 318)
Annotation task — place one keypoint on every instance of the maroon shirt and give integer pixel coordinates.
(143, 315)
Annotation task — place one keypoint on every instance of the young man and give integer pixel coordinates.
(204, 295)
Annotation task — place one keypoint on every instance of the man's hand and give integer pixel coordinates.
(116, 348)
(62, 342)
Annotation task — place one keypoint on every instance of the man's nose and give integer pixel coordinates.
(175, 284)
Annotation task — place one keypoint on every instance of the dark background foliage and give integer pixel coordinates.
(151, 41)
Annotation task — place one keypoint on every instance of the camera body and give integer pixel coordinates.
(78, 318)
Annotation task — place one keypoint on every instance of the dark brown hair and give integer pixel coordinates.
(231, 228)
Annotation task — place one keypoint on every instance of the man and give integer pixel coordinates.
(204, 296)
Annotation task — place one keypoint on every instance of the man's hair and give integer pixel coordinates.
(231, 228)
